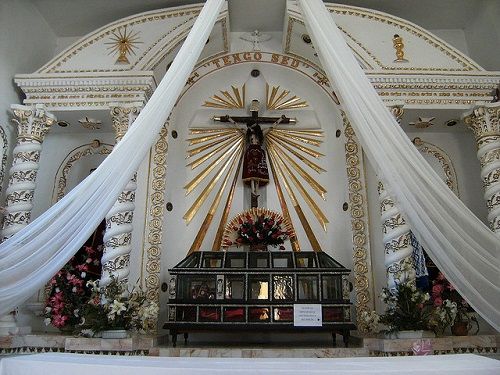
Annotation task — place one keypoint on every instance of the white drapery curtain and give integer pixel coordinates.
(457, 241)
(30, 258)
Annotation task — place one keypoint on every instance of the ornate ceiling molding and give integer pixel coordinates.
(424, 51)
(416, 89)
(160, 32)
(77, 91)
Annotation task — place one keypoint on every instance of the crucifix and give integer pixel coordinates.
(255, 172)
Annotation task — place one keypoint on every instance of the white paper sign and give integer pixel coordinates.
(307, 315)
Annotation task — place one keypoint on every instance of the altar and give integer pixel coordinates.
(257, 121)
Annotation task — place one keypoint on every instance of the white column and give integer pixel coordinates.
(396, 233)
(117, 239)
(397, 241)
(484, 121)
(33, 123)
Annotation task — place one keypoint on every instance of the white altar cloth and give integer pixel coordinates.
(84, 364)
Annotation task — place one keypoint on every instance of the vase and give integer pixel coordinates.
(67, 330)
(115, 334)
(410, 334)
(460, 329)
(258, 247)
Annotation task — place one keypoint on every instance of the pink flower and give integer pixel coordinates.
(57, 297)
(59, 321)
(437, 289)
(438, 301)
(82, 267)
(89, 250)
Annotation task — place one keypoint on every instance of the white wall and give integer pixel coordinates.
(455, 37)
(484, 29)
(26, 43)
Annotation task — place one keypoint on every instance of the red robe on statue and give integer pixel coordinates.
(255, 165)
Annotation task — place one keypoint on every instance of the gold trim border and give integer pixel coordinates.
(61, 179)
(156, 210)
(444, 160)
(363, 282)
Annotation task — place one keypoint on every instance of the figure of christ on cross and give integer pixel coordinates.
(255, 172)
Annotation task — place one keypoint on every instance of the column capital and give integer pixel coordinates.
(33, 122)
(484, 120)
(397, 111)
(123, 115)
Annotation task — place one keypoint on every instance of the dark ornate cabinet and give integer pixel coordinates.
(239, 290)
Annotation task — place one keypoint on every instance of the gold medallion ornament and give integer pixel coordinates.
(123, 42)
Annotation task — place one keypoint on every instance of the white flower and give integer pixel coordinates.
(47, 321)
(83, 275)
(117, 307)
(58, 290)
(149, 311)
(76, 312)
(73, 289)
(48, 309)
(427, 297)
(94, 285)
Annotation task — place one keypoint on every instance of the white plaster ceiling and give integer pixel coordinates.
(79, 17)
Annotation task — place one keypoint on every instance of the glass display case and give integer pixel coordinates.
(257, 290)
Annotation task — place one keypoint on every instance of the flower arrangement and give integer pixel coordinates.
(408, 308)
(67, 291)
(443, 291)
(114, 307)
(257, 226)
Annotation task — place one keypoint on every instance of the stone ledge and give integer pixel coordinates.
(19, 344)
(222, 352)
(439, 345)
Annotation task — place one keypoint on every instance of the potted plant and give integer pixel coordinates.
(113, 311)
(410, 313)
(443, 290)
(407, 310)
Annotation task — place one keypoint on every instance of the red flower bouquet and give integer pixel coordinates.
(257, 226)
(67, 290)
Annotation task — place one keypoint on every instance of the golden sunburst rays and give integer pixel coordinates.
(123, 42)
(228, 100)
(290, 153)
(220, 151)
(280, 100)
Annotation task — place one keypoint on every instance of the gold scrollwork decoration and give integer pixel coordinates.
(361, 253)
(155, 224)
